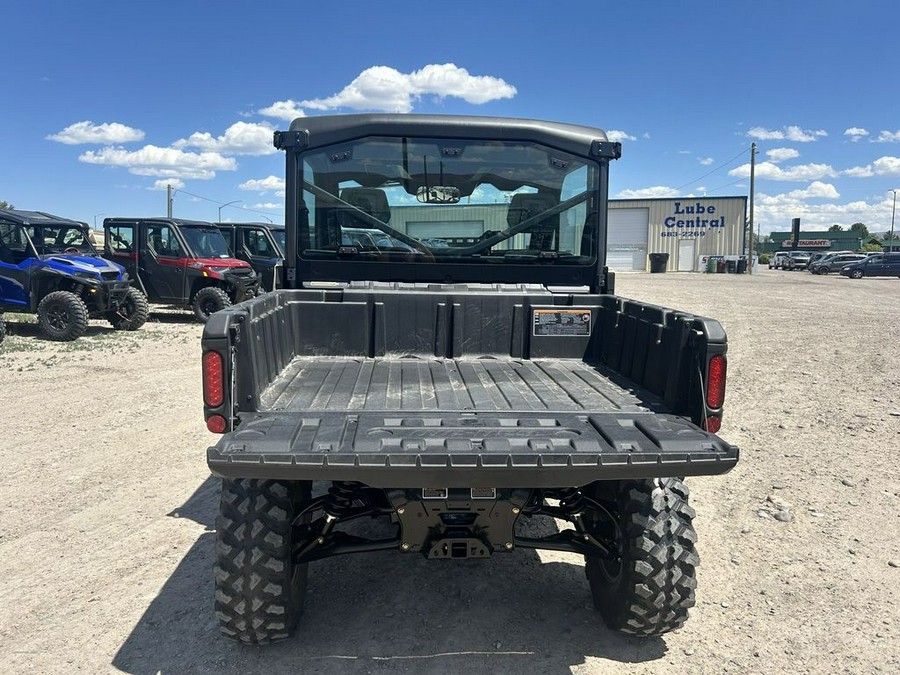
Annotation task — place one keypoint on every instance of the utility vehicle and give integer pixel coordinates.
(185, 263)
(48, 267)
(257, 244)
(479, 374)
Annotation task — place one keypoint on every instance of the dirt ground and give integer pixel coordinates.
(107, 510)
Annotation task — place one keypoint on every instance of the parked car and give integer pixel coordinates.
(796, 260)
(817, 256)
(180, 262)
(257, 244)
(835, 262)
(49, 267)
(883, 265)
(777, 259)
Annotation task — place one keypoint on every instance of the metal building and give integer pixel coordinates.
(687, 228)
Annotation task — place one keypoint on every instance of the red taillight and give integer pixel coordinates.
(216, 424)
(213, 379)
(713, 424)
(715, 381)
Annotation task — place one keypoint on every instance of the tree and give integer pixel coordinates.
(861, 230)
(835, 228)
(6, 205)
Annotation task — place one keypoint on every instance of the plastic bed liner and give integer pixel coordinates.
(462, 423)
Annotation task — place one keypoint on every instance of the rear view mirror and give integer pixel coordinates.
(438, 194)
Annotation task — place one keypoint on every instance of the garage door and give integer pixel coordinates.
(626, 241)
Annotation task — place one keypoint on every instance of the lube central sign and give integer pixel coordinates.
(693, 220)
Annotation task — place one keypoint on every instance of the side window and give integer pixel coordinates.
(12, 237)
(162, 241)
(121, 238)
(256, 243)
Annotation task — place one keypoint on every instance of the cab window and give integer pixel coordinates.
(162, 241)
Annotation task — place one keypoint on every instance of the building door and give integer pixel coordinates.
(626, 239)
(686, 248)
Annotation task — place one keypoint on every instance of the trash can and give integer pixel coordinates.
(731, 267)
(711, 265)
(720, 265)
(658, 262)
(742, 265)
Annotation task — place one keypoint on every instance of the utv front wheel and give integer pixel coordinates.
(133, 312)
(2, 328)
(259, 589)
(208, 301)
(648, 587)
(62, 316)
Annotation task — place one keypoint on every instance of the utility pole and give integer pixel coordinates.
(893, 211)
(752, 191)
(169, 200)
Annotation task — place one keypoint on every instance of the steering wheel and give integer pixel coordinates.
(71, 249)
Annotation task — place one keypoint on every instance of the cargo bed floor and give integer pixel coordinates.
(336, 384)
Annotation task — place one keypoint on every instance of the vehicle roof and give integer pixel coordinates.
(271, 226)
(325, 130)
(36, 218)
(182, 222)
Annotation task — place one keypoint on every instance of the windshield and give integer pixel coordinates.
(206, 242)
(278, 236)
(60, 239)
(458, 200)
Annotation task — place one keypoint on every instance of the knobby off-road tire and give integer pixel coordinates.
(259, 591)
(133, 313)
(649, 591)
(2, 328)
(208, 301)
(62, 316)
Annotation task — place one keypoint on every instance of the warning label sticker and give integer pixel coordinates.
(566, 322)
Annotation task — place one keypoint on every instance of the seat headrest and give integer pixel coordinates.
(524, 206)
(371, 200)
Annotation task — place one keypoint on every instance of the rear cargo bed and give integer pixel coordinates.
(343, 386)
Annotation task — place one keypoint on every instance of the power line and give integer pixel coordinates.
(214, 201)
(712, 171)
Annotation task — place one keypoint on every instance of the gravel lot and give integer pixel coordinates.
(106, 513)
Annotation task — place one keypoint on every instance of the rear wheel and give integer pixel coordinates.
(648, 587)
(208, 301)
(62, 316)
(133, 312)
(259, 589)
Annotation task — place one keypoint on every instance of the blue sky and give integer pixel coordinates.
(107, 102)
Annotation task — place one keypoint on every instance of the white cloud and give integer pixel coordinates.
(617, 136)
(800, 172)
(268, 205)
(283, 110)
(387, 89)
(241, 138)
(646, 135)
(855, 133)
(781, 154)
(816, 190)
(883, 166)
(163, 183)
(263, 184)
(648, 193)
(102, 134)
(774, 212)
(705, 161)
(159, 162)
(788, 133)
(888, 137)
